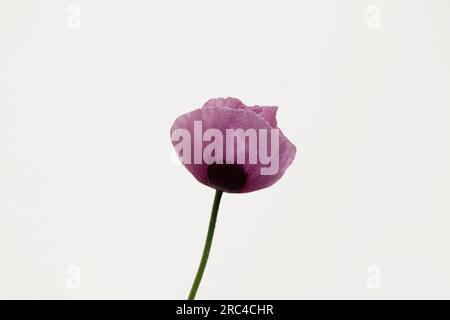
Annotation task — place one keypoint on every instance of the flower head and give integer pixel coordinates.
(231, 147)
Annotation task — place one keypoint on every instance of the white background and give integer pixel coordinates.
(88, 184)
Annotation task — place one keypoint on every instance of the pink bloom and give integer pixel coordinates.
(231, 113)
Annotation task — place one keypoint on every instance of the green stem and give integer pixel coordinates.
(208, 243)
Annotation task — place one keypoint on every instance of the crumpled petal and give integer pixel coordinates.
(224, 103)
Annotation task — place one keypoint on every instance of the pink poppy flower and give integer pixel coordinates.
(232, 148)
(230, 113)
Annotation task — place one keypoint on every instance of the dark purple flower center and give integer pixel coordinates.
(226, 177)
